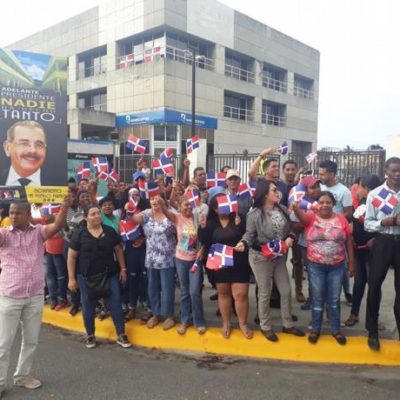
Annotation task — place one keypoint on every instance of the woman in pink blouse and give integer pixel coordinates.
(328, 237)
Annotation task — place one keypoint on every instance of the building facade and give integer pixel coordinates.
(130, 71)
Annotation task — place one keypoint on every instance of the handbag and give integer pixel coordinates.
(96, 284)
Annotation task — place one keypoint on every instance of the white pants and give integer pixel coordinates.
(29, 313)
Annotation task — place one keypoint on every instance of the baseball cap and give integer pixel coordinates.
(138, 175)
(212, 192)
(232, 172)
(310, 180)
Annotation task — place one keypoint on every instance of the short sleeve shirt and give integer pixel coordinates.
(160, 241)
(95, 255)
(342, 196)
(186, 248)
(326, 239)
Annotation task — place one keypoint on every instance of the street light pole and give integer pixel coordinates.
(193, 91)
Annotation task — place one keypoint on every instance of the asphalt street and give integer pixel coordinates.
(70, 371)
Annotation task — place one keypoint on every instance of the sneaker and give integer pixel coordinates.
(123, 341)
(307, 305)
(214, 297)
(201, 330)
(62, 304)
(168, 324)
(102, 315)
(131, 314)
(53, 304)
(74, 310)
(340, 338)
(28, 383)
(125, 308)
(90, 342)
(293, 331)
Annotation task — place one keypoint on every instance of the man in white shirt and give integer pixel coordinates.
(26, 147)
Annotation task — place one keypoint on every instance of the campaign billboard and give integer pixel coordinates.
(33, 119)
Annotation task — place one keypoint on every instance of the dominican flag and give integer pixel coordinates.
(136, 144)
(148, 189)
(129, 230)
(195, 267)
(311, 157)
(103, 176)
(157, 167)
(167, 153)
(283, 148)
(307, 205)
(274, 249)
(192, 144)
(220, 256)
(193, 197)
(130, 207)
(100, 164)
(247, 190)
(385, 201)
(163, 166)
(83, 170)
(50, 209)
(227, 204)
(297, 193)
(359, 213)
(114, 176)
(216, 179)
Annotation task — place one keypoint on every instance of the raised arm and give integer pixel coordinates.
(60, 221)
(300, 214)
(253, 170)
(185, 174)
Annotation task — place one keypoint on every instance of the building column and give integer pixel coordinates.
(75, 130)
(220, 59)
(72, 68)
(290, 82)
(258, 70)
(112, 54)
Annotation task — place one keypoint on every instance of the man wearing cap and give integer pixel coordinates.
(232, 186)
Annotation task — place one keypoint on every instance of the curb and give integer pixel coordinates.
(289, 348)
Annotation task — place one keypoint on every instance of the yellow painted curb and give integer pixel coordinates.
(289, 347)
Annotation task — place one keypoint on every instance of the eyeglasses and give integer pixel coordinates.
(26, 144)
(275, 190)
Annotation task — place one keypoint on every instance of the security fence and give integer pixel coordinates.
(351, 165)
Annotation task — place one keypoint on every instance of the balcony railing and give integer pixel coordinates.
(239, 73)
(301, 92)
(273, 119)
(186, 56)
(239, 113)
(275, 84)
(92, 71)
(97, 107)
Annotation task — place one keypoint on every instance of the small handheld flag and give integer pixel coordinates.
(220, 256)
(283, 148)
(307, 205)
(100, 164)
(274, 249)
(114, 176)
(385, 201)
(129, 230)
(83, 170)
(311, 157)
(193, 197)
(297, 193)
(49, 209)
(148, 189)
(103, 176)
(136, 144)
(216, 179)
(246, 190)
(192, 144)
(227, 204)
(167, 153)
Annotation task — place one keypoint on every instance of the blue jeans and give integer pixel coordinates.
(136, 287)
(112, 302)
(56, 276)
(161, 291)
(75, 296)
(326, 285)
(191, 300)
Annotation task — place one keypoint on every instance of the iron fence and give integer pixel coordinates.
(351, 165)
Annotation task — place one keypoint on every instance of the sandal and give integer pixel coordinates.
(182, 329)
(247, 333)
(340, 338)
(313, 337)
(201, 330)
(352, 320)
(226, 331)
(152, 322)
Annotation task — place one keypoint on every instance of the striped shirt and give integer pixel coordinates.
(373, 216)
(21, 255)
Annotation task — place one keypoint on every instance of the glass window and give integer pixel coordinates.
(159, 132)
(171, 132)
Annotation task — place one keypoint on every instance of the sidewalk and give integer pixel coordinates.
(288, 348)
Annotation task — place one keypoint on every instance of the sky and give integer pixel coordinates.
(359, 96)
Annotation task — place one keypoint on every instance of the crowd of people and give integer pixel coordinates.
(129, 250)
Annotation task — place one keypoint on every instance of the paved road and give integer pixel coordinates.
(69, 371)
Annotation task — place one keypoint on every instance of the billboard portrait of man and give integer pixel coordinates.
(26, 147)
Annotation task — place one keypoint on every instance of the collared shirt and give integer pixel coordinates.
(374, 216)
(12, 179)
(21, 255)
